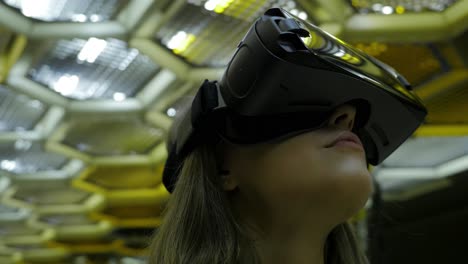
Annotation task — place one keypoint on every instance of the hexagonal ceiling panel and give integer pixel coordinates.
(19, 112)
(197, 32)
(24, 156)
(93, 69)
(125, 177)
(111, 136)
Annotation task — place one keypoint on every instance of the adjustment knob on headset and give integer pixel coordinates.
(294, 26)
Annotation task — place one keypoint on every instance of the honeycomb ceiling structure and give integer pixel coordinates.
(89, 89)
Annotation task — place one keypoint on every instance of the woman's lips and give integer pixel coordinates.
(346, 139)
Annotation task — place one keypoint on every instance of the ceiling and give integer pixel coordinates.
(88, 91)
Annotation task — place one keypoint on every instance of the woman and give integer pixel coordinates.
(283, 202)
(269, 164)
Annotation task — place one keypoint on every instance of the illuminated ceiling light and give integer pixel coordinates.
(340, 53)
(22, 145)
(180, 104)
(95, 18)
(180, 42)
(294, 12)
(33, 8)
(303, 15)
(177, 39)
(79, 18)
(66, 84)
(8, 165)
(387, 10)
(92, 49)
(119, 97)
(171, 112)
(74, 69)
(210, 5)
(68, 10)
(217, 6)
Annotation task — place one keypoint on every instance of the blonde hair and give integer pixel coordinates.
(199, 227)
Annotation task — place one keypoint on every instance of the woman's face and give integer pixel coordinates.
(305, 172)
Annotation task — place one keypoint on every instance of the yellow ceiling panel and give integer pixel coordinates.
(86, 204)
(10, 256)
(42, 254)
(437, 87)
(51, 197)
(417, 62)
(439, 75)
(153, 196)
(134, 212)
(90, 247)
(116, 136)
(114, 247)
(442, 130)
(125, 177)
(26, 237)
(450, 107)
(125, 185)
(83, 232)
(131, 216)
(21, 254)
(453, 54)
(75, 226)
(18, 228)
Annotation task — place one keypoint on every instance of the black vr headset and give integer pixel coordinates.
(286, 78)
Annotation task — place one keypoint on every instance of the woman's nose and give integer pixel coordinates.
(343, 117)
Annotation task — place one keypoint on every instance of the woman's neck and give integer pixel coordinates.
(292, 244)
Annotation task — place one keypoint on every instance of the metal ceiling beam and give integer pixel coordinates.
(162, 56)
(76, 30)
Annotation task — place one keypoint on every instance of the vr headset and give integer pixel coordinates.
(286, 78)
